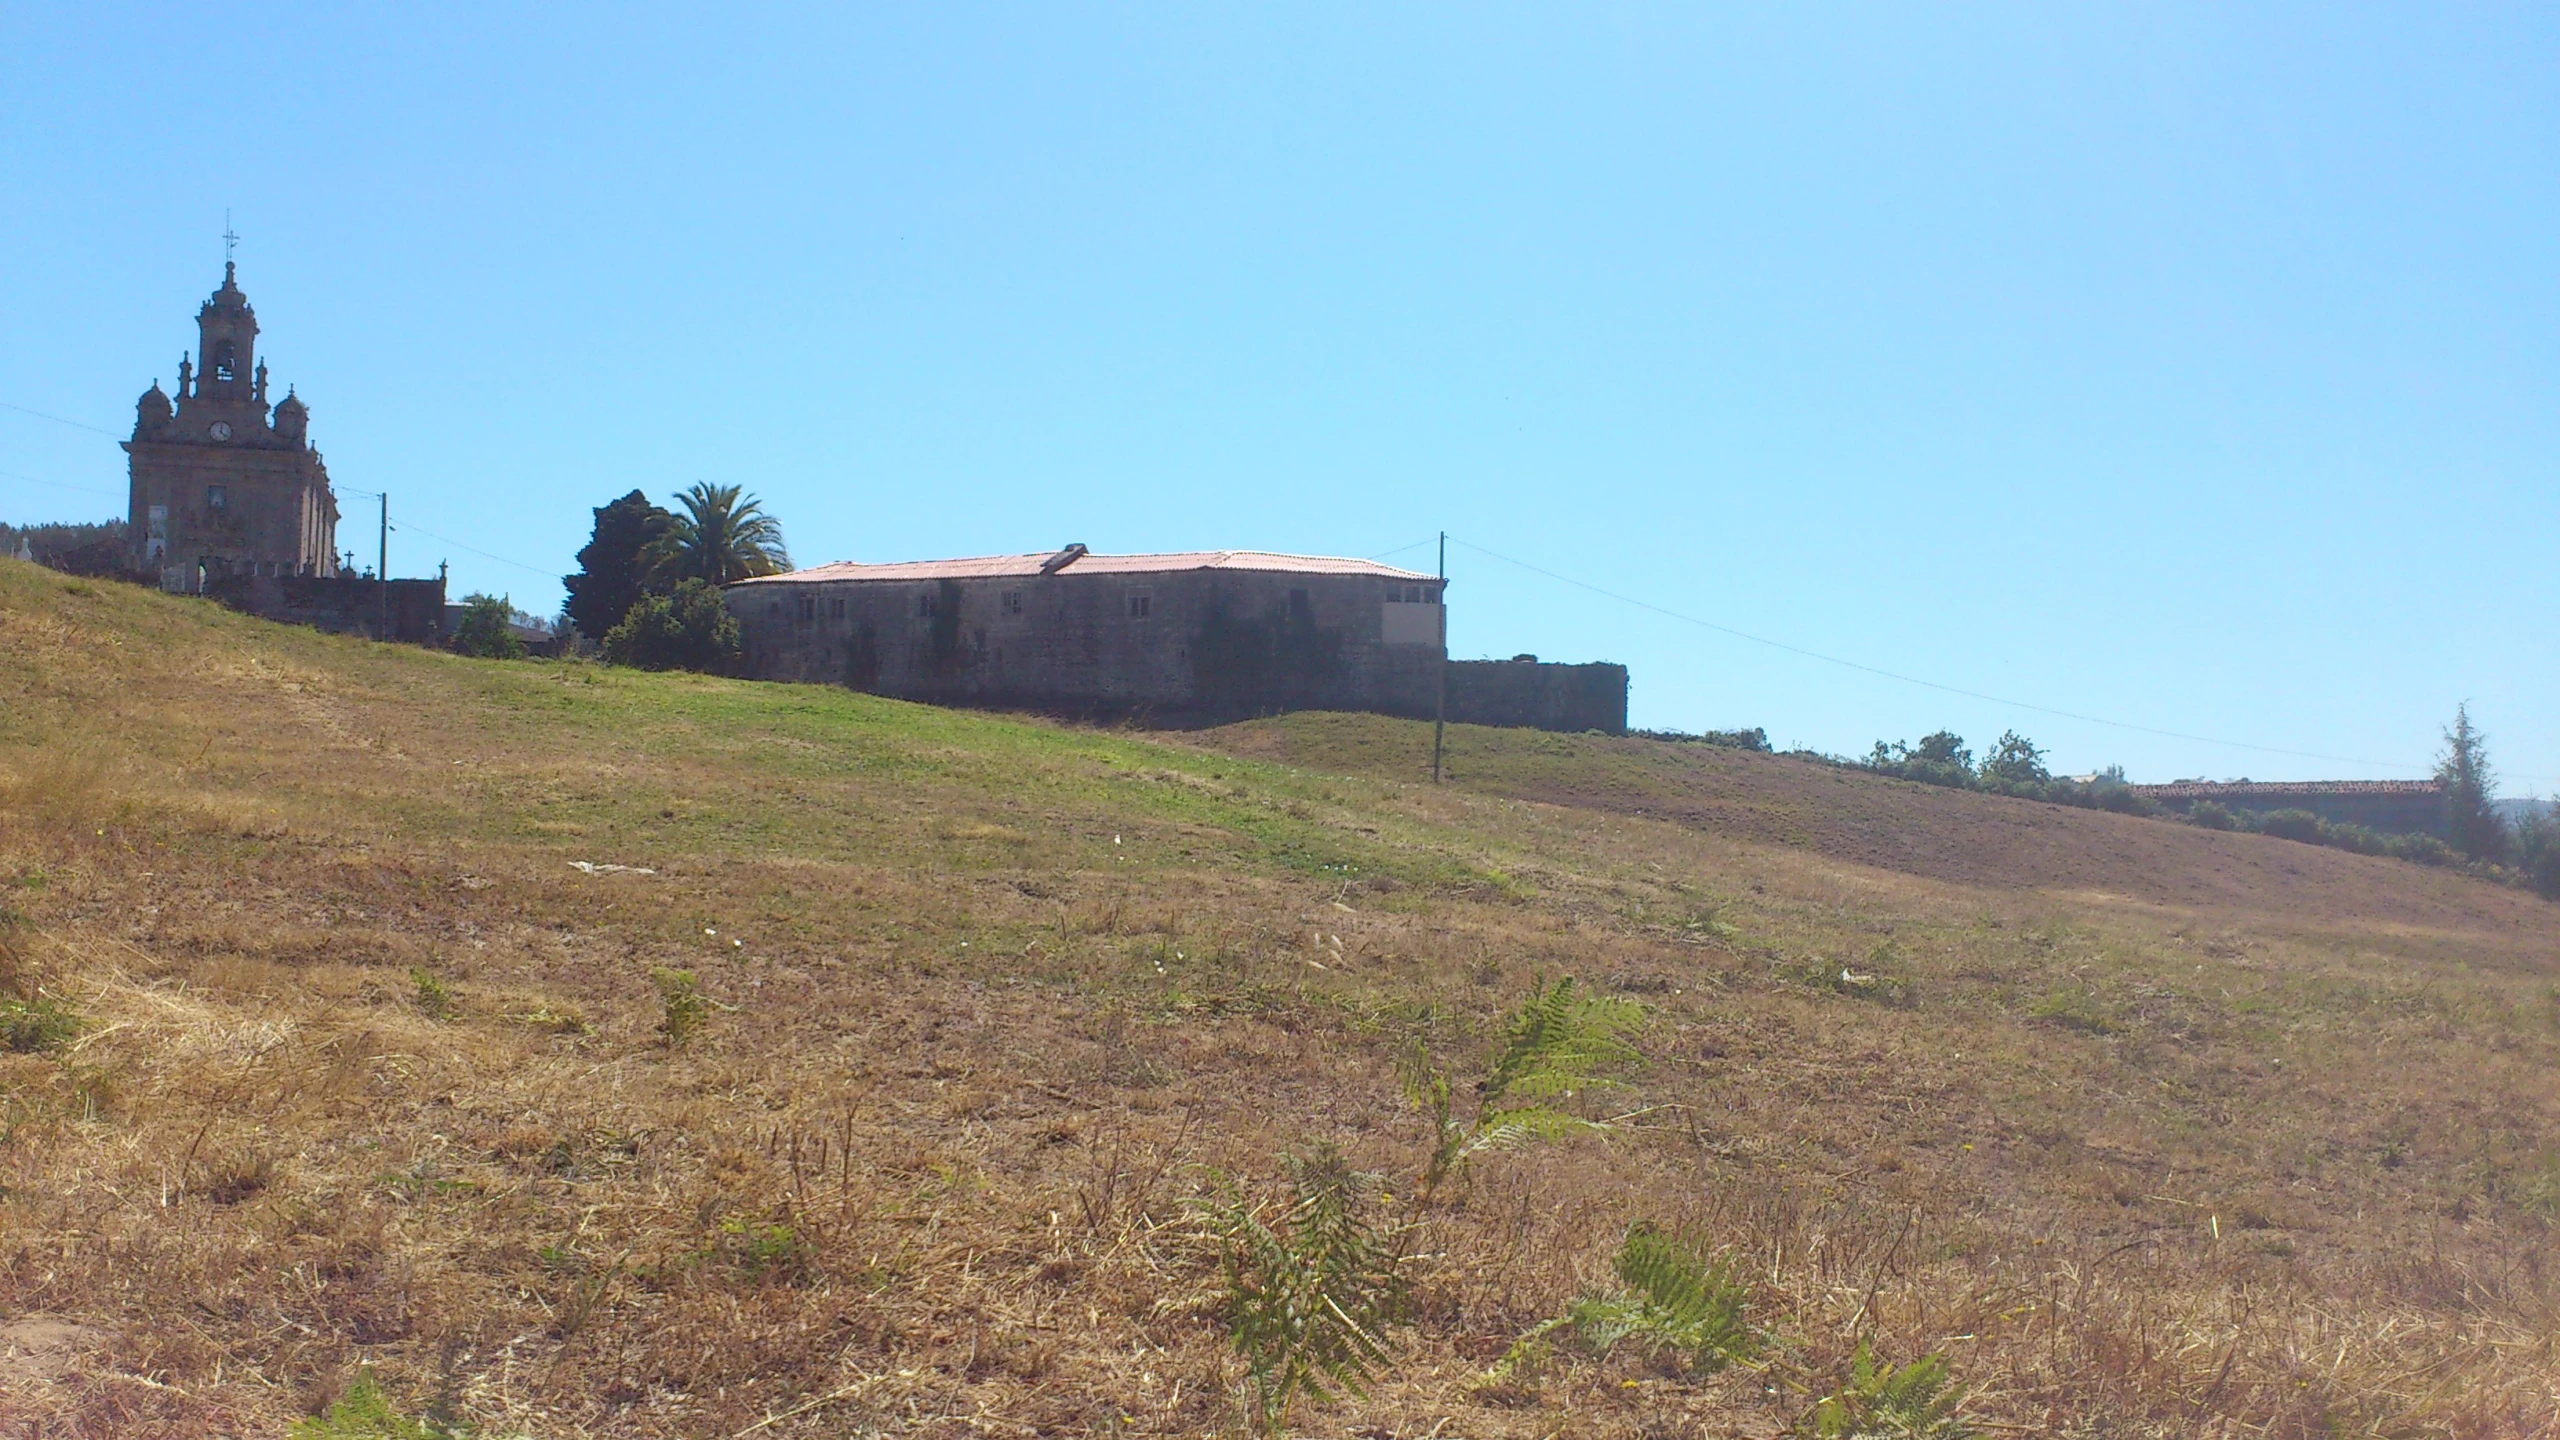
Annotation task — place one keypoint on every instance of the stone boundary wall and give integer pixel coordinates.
(1533, 695)
(2394, 807)
(1176, 647)
(340, 604)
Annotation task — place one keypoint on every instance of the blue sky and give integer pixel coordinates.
(2189, 367)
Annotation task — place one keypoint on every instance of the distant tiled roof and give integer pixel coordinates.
(995, 567)
(2273, 789)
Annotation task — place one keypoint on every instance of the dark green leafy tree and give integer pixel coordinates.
(1755, 738)
(719, 535)
(2015, 760)
(484, 630)
(612, 569)
(1940, 757)
(2472, 821)
(1310, 1288)
(689, 628)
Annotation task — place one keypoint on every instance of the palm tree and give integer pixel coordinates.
(717, 537)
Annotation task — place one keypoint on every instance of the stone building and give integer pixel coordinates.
(1176, 638)
(230, 501)
(220, 487)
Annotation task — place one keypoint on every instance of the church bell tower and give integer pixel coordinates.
(220, 487)
(227, 344)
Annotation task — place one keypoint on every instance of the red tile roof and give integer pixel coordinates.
(995, 567)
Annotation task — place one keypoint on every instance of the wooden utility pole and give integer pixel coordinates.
(1440, 708)
(382, 567)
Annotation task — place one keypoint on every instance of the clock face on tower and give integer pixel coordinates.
(221, 429)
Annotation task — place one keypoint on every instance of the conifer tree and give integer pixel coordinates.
(2472, 822)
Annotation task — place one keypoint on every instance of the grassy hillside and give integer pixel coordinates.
(335, 1041)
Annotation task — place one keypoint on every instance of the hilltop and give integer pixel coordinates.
(343, 973)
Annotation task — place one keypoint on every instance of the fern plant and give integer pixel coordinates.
(1883, 1401)
(1559, 1044)
(1677, 1300)
(1673, 1300)
(1310, 1292)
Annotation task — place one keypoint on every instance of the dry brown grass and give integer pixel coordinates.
(2194, 1148)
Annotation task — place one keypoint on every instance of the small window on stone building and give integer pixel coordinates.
(1430, 594)
(773, 609)
(835, 608)
(216, 498)
(1395, 594)
(808, 607)
(1140, 603)
(924, 604)
(1013, 602)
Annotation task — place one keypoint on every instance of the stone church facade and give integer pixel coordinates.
(222, 487)
(1201, 636)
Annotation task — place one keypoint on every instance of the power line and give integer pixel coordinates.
(58, 420)
(412, 525)
(1416, 545)
(1932, 684)
(56, 484)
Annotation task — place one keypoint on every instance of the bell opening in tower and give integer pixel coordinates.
(223, 363)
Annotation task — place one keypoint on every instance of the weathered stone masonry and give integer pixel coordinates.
(231, 501)
(218, 488)
(1177, 638)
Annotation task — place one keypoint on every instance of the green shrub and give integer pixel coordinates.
(2121, 798)
(2360, 839)
(435, 998)
(27, 1026)
(761, 1251)
(2544, 871)
(2537, 838)
(2423, 849)
(2207, 815)
(2541, 1195)
(365, 1413)
(681, 999)
(688, 629)
(483, 630)
(2299, 825)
